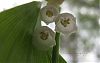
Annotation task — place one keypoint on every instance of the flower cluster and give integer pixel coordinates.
(65, 23)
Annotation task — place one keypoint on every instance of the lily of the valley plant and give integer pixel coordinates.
(65, 23)
(24, 40)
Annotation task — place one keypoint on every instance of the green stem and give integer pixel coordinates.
(55, 52)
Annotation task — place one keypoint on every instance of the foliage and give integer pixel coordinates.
(16, 27)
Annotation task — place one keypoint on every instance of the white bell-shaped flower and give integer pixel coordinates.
(43, 38)
(65, 23)
(48, 13)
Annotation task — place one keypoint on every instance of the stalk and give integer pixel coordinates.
(55, 52)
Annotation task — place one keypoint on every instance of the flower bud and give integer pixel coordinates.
(65, 23)
(43, 38)
(48, 13)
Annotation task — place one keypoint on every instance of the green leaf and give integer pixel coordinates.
(16, 27)
(55, 52)
(61, 60)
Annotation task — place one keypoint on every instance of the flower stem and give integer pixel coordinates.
(55, 52)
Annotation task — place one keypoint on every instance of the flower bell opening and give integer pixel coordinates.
(44, 35)
(43, 38)
(49, 13)
(65, 22)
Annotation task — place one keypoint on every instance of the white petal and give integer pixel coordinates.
(43, 44)
(54, 11)
(71, 27)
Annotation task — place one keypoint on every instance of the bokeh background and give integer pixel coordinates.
(80, 47)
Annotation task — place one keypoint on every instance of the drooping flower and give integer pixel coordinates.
(43, 38)
(48, 13)
(65, 23)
